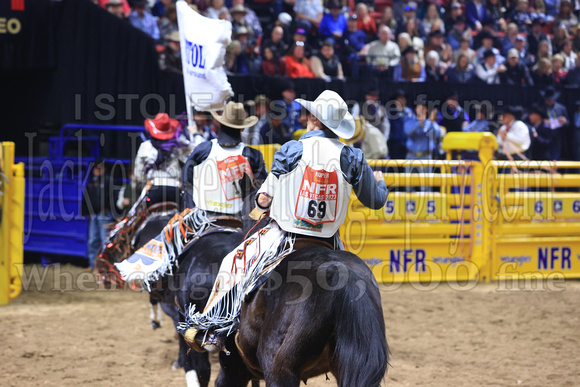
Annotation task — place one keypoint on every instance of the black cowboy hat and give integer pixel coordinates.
(408, 50)
(537, 109)
(488, 53)
(397, 93)
(515, 111)
(550, 93)
(485, 35)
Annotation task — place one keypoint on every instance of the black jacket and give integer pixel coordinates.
(98, 195)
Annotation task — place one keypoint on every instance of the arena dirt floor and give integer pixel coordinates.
(486, 336)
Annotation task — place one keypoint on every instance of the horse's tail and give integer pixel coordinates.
(361, 353)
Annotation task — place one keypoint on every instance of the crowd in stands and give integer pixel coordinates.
(509, 42)
(514, 42)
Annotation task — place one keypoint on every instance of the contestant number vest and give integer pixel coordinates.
(313, 198)
(216, 181)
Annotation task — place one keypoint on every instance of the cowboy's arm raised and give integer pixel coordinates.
(370, 187)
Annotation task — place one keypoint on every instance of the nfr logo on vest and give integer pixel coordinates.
(232, 171)
(317, 197)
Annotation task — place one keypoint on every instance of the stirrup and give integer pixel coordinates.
(213, 343)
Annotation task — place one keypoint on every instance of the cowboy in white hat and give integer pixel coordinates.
(307, 194)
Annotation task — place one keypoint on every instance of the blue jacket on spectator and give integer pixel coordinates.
(421, 138)
(328, 26)
(147, 24)
(355, 40)
(473, 16)
(456, 75)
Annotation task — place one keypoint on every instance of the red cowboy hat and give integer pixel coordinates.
(161, 127)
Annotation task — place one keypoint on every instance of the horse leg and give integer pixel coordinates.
(196, 365)
(154, 315)
(233, 371)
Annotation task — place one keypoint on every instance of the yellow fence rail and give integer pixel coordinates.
(480, 219)
(11, 223)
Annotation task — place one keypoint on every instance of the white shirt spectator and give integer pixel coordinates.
(380, 54)
(517, 138)
(487, 74)
(309, 8)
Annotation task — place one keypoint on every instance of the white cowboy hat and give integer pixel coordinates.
(332, 112)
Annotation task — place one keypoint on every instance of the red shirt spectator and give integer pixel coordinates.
(297, 66)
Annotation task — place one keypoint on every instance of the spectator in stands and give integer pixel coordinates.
(217, 8)
(461, 71)
(521, 16)
(412, 29)
(556, 119)
(576, 142)
(408, 15)
(422, 133)
(516, 73)
(170, 57)
(431, 18)
(224, 15)
(143, 20)
(542, 73)
(300, 36)
(271, 64)
(536, 35)
(159, 9)
(452, 116)
(494, 9)
(373, 111)
(364, 21)
(275, 130)
(242, 35)
(204, 126)
(561, 35)
(524, 55)
(250, 60)
(387, 19)
(482, 122)
(476, 13)
(233, 50)
(509, 40)
(542, 135)
(552, 8)
(437, 44)
(398, 112)
(250, 17)
(566, 16)
(293, 108)
(486, 45)
(513, 137)
(97, 205)
(383, 53)
(569, 56)
(369, 139)
(276, 42)
(116, 8)
(404, 41)
(455, 12)
(558, 73)
(238, 14)
(308, 14)
(128, 195)
(353, 39)
(409, 69)
(543, 52)
(168, 22)
(284, 21)
(325, 64)
(434, 71)
(297, 66)
(458, 33)
(489, 70)
(333, 24)
(251, 135)
(465, 50)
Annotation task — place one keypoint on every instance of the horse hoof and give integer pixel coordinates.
(155, 324)
(175, 366)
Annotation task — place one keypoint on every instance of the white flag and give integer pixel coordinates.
(203, 48)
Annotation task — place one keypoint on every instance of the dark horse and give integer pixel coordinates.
(319, 311)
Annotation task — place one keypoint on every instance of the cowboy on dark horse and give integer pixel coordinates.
(306, 194)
